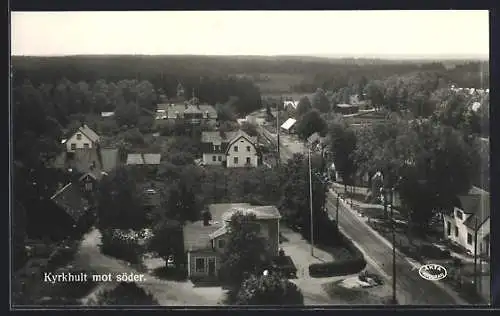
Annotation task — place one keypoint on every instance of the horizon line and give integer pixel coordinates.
(321, 56)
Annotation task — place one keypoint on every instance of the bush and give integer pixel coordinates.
(126, 294)
(337, 268)
(116, 244)
(348, 265)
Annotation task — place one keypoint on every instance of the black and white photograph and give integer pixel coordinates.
(249, 158)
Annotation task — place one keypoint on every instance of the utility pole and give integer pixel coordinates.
(337, 213)
(394, 300)
(311, 202)
(475, 254)
(278, 133)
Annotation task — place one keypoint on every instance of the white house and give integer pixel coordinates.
(83, 138)
(232, 149)
(470, 216)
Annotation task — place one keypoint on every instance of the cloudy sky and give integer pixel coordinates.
(315, 33)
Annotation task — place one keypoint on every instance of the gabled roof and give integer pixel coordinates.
(241, 134)
(171, 110)
(89, 133)
(477, 205)
(71, 200)
(293, 104)
(197, 236)
(143, 159)
(288, 123)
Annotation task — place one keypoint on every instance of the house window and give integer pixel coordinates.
(235, 160)
(86, 145)
(79, 136)
(248, 160)
(448, 228)
(220, 158)
(73, 146)
(214, 158)
(236, 148)
(248, 148)
(459, 215)
(469, 238)
(88, 186)
(217, 147)
(456, 231)
(221, 243)
(200, 265)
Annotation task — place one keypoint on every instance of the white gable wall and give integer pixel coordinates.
(79, 143)
(241, 154)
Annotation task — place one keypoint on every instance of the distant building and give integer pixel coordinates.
(290, 104)
(190, 113)
(83, 138)
(230, 149)
(289, 125)
(96, 162)
(346, 108)
(107, 114)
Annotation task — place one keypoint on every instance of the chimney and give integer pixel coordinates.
(207, 217)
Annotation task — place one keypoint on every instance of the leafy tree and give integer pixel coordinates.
(182, 204)
(374, 91)
(125, 294)
(246, 250)
(249, 128)
(309, 124)
(303, 107)
(343, 144)
(271, 289)
(167, 239)
(320, 101)
(127, 113)
(295, 203)
(119, 202)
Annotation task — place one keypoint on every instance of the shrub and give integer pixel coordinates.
(350, 264)
(121, 246)
(126, 294)
(337, 268)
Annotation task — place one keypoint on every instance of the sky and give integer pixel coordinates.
(305, 33)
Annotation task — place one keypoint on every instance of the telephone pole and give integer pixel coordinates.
(311, 203)
(278, 133)
(475, 254)
(394, 300)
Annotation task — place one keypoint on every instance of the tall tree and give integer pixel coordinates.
(320, 101)
(245, 252)
(310, 123)
(303, 107)
(343, 144)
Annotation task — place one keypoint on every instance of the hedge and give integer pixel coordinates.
(344, 266)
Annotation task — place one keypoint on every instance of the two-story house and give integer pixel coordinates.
(205, 241)
(83, 138)
(469, 220)
(231, 149)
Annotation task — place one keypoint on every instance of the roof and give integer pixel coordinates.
(224, 139)
(109, 159)
(171, 109)
(288, 123)
(143, 159)
(107, 114)
(261, 212)
(87, 131)
(71, 200)
(313, 138)
(344, 105)
(293, 104)
(197, 236)
(477, 204)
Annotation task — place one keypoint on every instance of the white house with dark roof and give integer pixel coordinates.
(471, 215)
(188, 112)
(204, 241)
(231, 149)
(83, 138)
